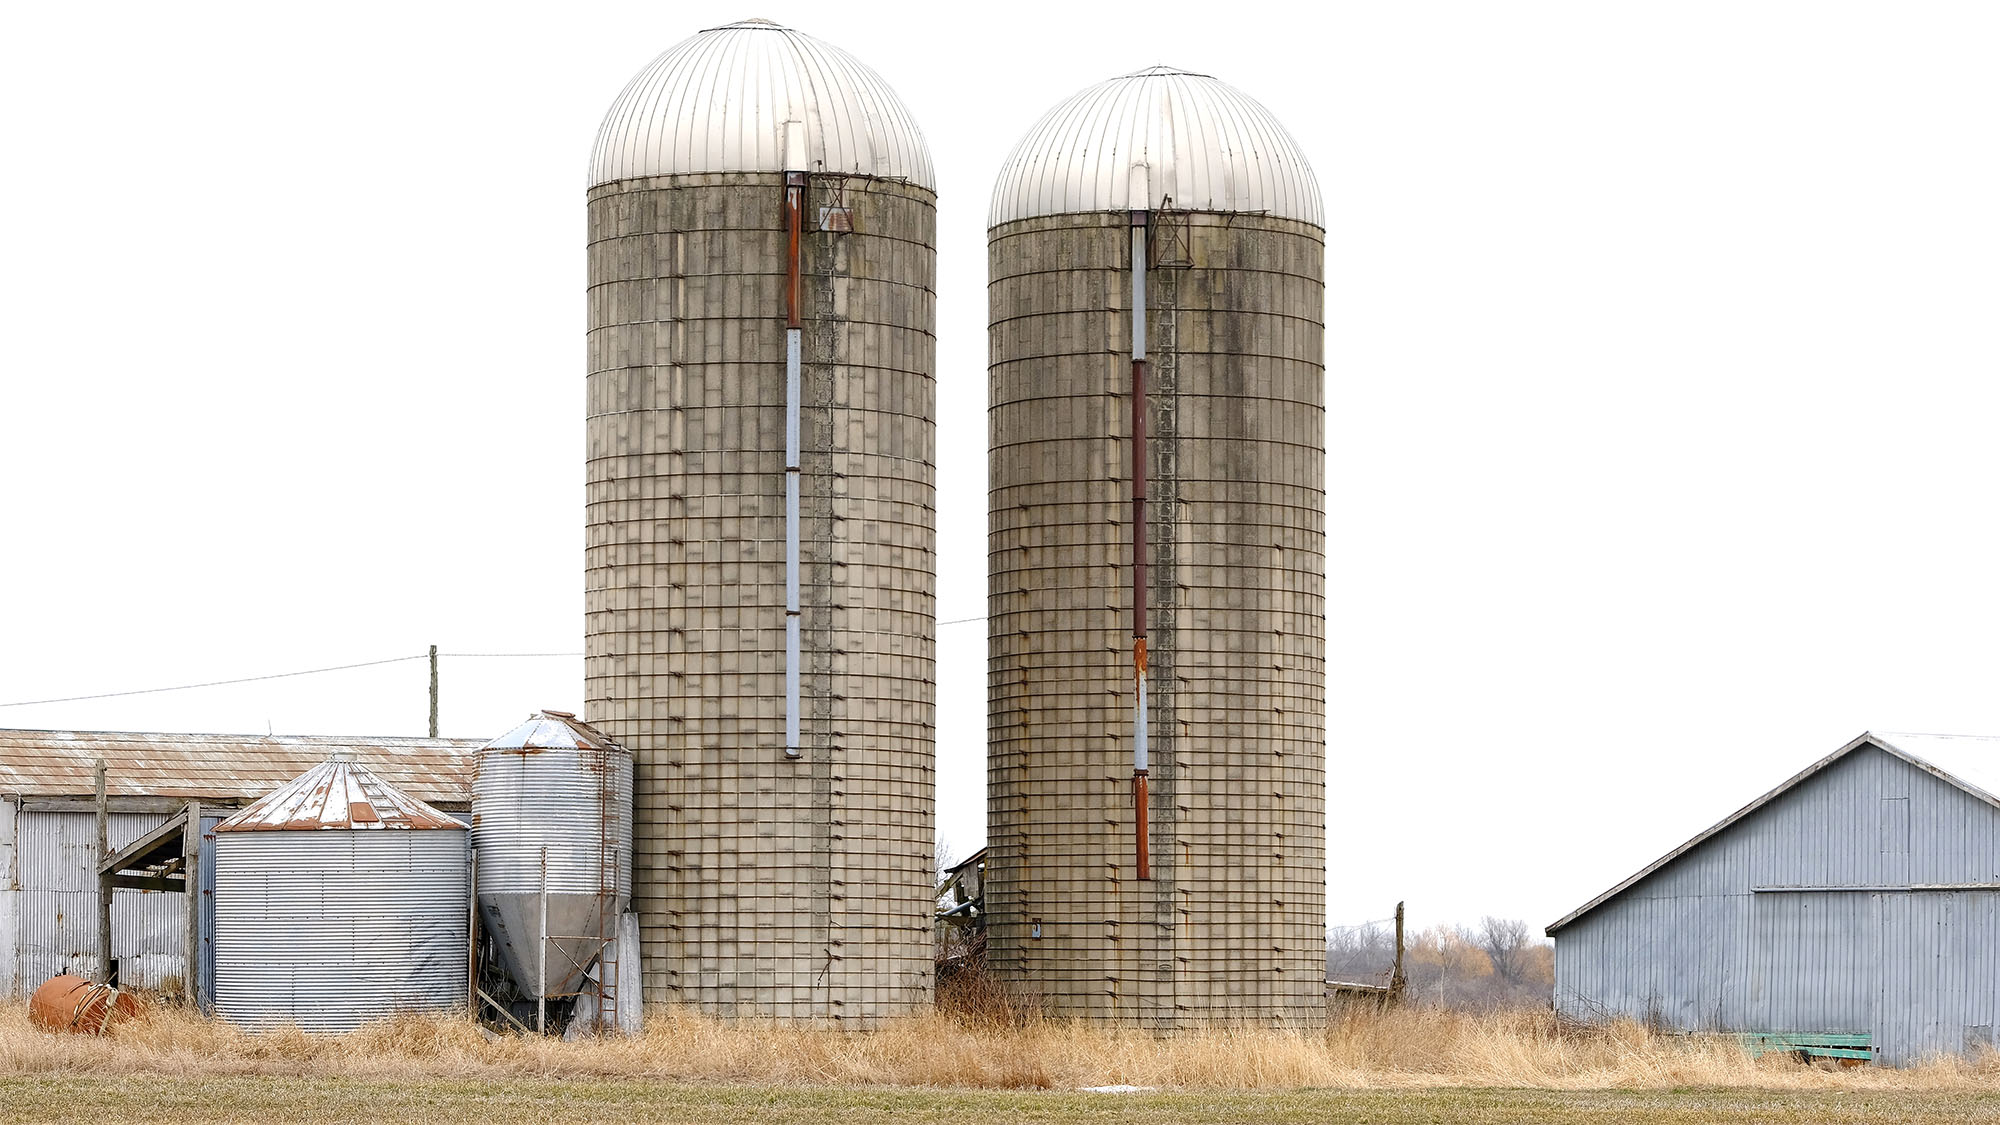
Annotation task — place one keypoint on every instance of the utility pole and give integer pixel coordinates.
(434, 691)
(103, 879)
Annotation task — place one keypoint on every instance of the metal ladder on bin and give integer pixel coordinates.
(607, 891)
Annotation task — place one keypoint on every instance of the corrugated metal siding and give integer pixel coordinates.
(1713, 940)
(1813, 959)
(330, 929)
(58, 905)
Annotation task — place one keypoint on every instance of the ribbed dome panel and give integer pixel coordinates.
(1161, 135)
(720, 101)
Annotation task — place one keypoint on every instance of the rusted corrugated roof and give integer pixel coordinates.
(337, 793)
(553, 730)
(221, 767)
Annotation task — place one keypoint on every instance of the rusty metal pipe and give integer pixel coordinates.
(1141, 844)
(795, 206)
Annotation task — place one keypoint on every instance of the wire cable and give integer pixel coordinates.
(219, 683)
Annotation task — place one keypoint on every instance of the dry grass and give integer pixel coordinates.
(988, 1043)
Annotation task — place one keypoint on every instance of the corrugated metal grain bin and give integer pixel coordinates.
(1157, 662)
(339, 900)
(552, 825)
(760, 599)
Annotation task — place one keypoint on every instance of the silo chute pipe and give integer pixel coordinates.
(795, 203)
(1139, 765)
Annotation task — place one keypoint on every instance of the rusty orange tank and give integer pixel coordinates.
(68, 1003)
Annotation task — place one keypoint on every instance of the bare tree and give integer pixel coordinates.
(943, 860)
(1505, 942)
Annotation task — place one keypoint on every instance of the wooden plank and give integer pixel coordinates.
(176, 884)
(191, 853)
(167, 841)
(168, 805)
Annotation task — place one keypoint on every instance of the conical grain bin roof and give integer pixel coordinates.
(337, 793)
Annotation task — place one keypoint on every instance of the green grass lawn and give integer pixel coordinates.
(285, 1101)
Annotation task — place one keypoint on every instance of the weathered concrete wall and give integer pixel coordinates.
(767, 887)
(1232, 925)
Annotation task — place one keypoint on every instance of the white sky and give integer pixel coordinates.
(1662, 397)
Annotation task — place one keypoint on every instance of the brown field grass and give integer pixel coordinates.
(976, 1045)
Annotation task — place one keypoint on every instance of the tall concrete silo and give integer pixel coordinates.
(1157, 767)
(761, 554)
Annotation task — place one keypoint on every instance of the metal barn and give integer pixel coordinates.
(1853, 910)
(48, 836)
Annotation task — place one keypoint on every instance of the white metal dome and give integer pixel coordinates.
(1140, 140)
(721, 102)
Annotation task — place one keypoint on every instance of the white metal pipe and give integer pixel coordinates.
(542, 953)
(1138, 290)
(792, 350)
(1139, 732)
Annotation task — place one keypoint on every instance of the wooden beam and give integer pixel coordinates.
(191, 853)
(103, 881)
(173, 883)
(119, 804)
(156, 847)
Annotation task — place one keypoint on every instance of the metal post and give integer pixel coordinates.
(1141, 843)
(434, 691)
(103, 878)
(472, 937)
(542, 954)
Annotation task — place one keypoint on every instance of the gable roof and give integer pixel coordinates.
(1968, 762)
(221, 767)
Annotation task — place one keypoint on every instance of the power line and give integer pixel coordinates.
(220, 683)
(332, 668)
(491, 655)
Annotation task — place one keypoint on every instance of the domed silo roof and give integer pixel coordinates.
(1156, 137)
(337, 793)
(721, 101)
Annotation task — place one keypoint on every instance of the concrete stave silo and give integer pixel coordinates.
(339, 899)
(1169, 872)
(760, 590)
